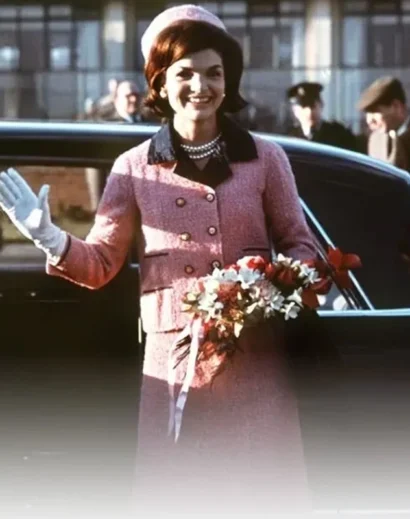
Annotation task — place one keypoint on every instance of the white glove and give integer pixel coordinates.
(31, 214)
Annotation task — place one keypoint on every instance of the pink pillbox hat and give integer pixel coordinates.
(174, 14)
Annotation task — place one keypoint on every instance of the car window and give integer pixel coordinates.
(74, 193)
(364, 213)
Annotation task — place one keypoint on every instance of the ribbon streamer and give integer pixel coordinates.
(176, 408)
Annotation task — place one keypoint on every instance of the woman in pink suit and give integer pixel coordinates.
(201, 194)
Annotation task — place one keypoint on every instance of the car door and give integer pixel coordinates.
(355, 417)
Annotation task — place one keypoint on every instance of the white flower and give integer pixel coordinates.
(225, 275)
(255, 292)
(310, 274)
(296, 264)
(211, 285)
(248, 277)
(284, 260)
(266, 296)
(277, 301)
(207, 301)
(291, 310)
(295, 297)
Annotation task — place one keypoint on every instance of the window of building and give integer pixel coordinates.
(406, 39)
(263, 40)
(60, 45)
(385, 41)
(233, 8)
(9, 51)
(49, 37)
(237, 27)
(291, 7)
(32, 45)
(88, 50)
(355, 6)
(271, 34)
(354, 34)
(291, 42)
(375, 33)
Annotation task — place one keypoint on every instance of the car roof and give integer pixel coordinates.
(124, 136)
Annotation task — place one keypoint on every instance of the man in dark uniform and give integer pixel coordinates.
(388, 119)
(307, 107)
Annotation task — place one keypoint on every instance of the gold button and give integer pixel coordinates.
(180, 202)
(216, 264)
(185, 236)
(210, 197)
(189, 269)
(212, 230)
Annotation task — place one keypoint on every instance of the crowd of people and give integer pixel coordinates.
(387, 116)
(383, 104)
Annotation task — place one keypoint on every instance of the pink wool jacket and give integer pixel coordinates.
(185, 227)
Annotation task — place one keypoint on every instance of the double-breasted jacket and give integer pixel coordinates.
(188, 221)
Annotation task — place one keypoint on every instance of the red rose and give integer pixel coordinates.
(257, 263)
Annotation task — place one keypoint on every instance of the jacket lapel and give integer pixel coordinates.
(237, 146)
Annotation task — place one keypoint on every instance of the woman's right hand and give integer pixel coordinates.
(30, 213)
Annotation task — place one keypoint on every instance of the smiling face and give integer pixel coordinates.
(195, 86)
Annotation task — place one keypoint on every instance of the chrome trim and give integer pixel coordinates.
(326, 237)
(373, 313)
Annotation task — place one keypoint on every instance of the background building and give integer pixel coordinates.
(55, 55)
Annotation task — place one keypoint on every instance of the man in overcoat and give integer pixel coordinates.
(388, 119)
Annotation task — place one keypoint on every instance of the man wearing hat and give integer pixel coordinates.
(388, 119)
(307, 107)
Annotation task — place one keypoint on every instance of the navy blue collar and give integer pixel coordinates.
(239, 145)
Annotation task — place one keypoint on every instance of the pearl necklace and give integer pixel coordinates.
(204, 150)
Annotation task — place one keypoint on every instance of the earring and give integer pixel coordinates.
(163, 94)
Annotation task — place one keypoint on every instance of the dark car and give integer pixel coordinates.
(71, 357)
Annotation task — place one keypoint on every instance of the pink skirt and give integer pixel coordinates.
(240, 446)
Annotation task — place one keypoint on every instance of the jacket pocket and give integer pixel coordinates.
(256, 249)
(265, 252)
(155, 272)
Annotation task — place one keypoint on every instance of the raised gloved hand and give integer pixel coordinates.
(30, 214)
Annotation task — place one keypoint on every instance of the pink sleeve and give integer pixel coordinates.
(93, 262)
(290, 233)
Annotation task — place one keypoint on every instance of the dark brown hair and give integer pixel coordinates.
(187, 37)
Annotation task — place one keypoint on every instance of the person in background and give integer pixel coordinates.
(104, 102)
(388, 120)
(126, 106)
(200, 194)
(122, 104)
(307, 108)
